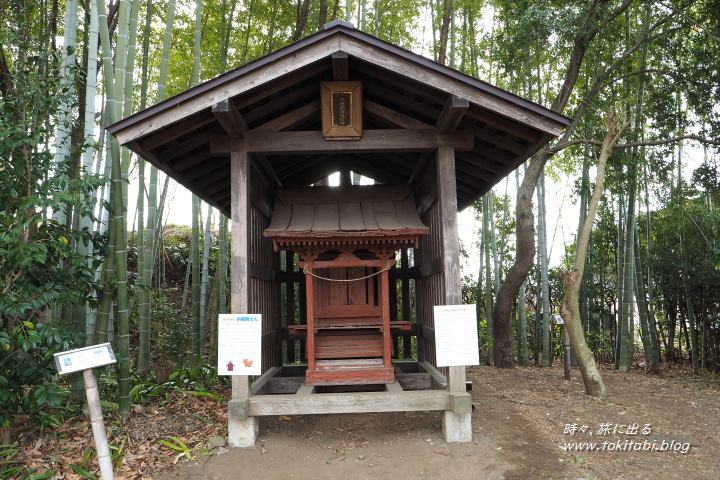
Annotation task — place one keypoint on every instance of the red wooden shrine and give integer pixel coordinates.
(347, 238)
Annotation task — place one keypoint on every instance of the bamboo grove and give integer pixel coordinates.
(650, 285)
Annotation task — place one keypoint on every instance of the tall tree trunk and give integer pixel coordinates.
(544, 281)
(569, 309)
(205, 274)
(522, 317)
(641, 299)
(692, 341)
(486, 240)
(586, 31)
(626, 338)
(197, 348)
(244, 59)
(302, 14)
(444, 31)
(322, 14)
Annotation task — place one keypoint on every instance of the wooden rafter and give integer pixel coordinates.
(389, 116)
(290, 119)
(451, 114)
(229, 117)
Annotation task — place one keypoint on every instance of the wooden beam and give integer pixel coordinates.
(414, 381)
(431, 268)
(372, 141)
(393, 117)
(427, 201)
(260, 386)
(292, 167)
(452, 114)
(361, 402)
(419, 167)
(439, 380)
(315, 175)
(340, 66)
(181, 149)
(504, 124)
(388, 95)
(229, 117)
(206, 166)
(265, 166)
(499, 141)
(474, 169)
(291, 119)
(180, 128)
(376, 173)
(385, 162)
(389, 77)
(258, 271)
(309, 92)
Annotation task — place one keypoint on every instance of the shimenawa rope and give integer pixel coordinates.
(306, 272)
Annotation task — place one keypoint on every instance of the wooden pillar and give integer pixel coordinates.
(457, 425)
(407, 340)
(289, 304)
(385, 305)
(310, 309)
(242, 429)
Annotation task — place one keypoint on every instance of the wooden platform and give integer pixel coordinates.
(284, 391)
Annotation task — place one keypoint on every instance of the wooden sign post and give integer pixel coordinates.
(566, 344)
(86, 359)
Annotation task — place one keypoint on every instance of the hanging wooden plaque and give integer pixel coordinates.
(341, 110)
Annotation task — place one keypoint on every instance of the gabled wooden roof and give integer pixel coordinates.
(355, 211)
(411, 105)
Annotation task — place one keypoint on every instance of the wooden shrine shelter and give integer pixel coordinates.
(330, 269)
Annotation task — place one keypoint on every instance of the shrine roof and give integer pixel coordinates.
(271, 107)
(353, 211)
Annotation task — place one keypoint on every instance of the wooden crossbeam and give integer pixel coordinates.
(372, 141)
(229, 117)
(452, 113)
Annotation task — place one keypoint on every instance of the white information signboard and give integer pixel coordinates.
(84, 358)
(456, 336)
(239, 344)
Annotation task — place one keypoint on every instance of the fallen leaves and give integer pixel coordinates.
(136, 449)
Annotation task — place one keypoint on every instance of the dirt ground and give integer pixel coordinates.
(522, 421)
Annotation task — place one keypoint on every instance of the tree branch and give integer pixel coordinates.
(649, 143)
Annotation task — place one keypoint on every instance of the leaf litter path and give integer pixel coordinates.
(522, 420)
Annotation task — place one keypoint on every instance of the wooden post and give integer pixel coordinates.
(310, 309)
(457, 425)
(566, 348)
(242, 429)
(385, 304)
(290, 304)
(407, 340)
(98, 425)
